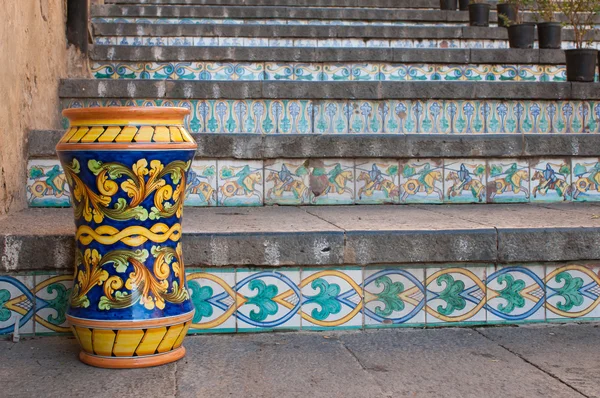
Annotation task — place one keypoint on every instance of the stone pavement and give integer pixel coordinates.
(528, 361)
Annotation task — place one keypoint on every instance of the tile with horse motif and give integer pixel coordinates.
(287, 182)
(550, 180)
(508, 181)
(573, 292)
(367, 117)
(330, 117)
(516, 294)
(52, 292)
(421, 181)
(240, 182)
(18, 303)
(47, 184)
(455, 295)
(586, 179)
(331, 181)
(279, 71)
(376, 181)
(307, 72)
(332, 298)
(407, 72)
(212, 292)
(201, 188)
(464, 180)
(268, 299)
(394, 297)
(233, 71)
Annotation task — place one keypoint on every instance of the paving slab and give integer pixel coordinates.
(449, 363)
(567, 352)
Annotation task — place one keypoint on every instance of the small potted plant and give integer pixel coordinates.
(450, 5)
(506, 12)
(463, 5)
(581, 61)
(549, 31)
(520, 34)
(479, 13)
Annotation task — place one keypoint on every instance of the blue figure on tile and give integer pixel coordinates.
(376, 176)
(549, 175)
(285, 176)
(464, 175)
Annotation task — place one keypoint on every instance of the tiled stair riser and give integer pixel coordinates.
(294, 42)
(224, 182)
(313, 72)
(246, 299)
(299, 116)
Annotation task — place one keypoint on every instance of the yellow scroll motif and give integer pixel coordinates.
(132, 236)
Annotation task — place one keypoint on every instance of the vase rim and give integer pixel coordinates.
(125, 112)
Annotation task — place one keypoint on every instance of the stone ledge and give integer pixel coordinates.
(254, 146)
(310, 31)
(158, 89)
(314, 54)
(293, 3)
(37, 239)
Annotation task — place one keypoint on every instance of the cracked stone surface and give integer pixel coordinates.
(527, 361)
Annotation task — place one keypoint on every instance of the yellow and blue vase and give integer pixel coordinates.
(127, 170)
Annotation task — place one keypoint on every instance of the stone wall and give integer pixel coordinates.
(33, 56)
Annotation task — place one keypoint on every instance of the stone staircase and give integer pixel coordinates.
(392, 101)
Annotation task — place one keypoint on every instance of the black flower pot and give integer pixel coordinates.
(479, 14)
(509, 11)
(463, 5)
(521, 35)
(581, 65)
(450, 5)
(549, 34)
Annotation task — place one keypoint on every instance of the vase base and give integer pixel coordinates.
(132, 362)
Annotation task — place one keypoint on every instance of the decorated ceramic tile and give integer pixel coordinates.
(508, 181)
(550, 180)
(308, 72)
(240, 183)
(464, 180)
(233, 71)
(329, 43)
(332, 298)
(217, 116)
(105, 41)
(279, 71)
(572, 291)
(330, 117)
(293, 116)
(46, 184)
(180, 41)
(377, 43)
(206, 41)
(158, 41)
(281, 42)
(376, 181)
(331, 181)
(231, 41)
(455, 295)
(130, 41)
(401, 118)
(268, 299)
(394, 297)
(367, 117)
(352, 43)
(421, 181)
(172, 71)
(586, 179)
(214, 298)
(554, 73)
(407, 72)
(287, 182)
(201, 188)
(502, 116)
(109, 70)
(256, 42)
(365, 72)
(256, 116)
(516, 294)
(52, 294)
(336, 72)
(17, 303)
(305, 42)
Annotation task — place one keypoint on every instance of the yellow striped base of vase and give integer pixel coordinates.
(131, 345)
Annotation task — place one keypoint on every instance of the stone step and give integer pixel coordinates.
(331, 236)
(228, 35)
(290, 3)
(290, 15)
(41, 144)
(368, 90)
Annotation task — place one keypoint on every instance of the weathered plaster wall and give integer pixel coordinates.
(33, 57)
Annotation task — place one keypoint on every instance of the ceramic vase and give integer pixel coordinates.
(126, 169)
